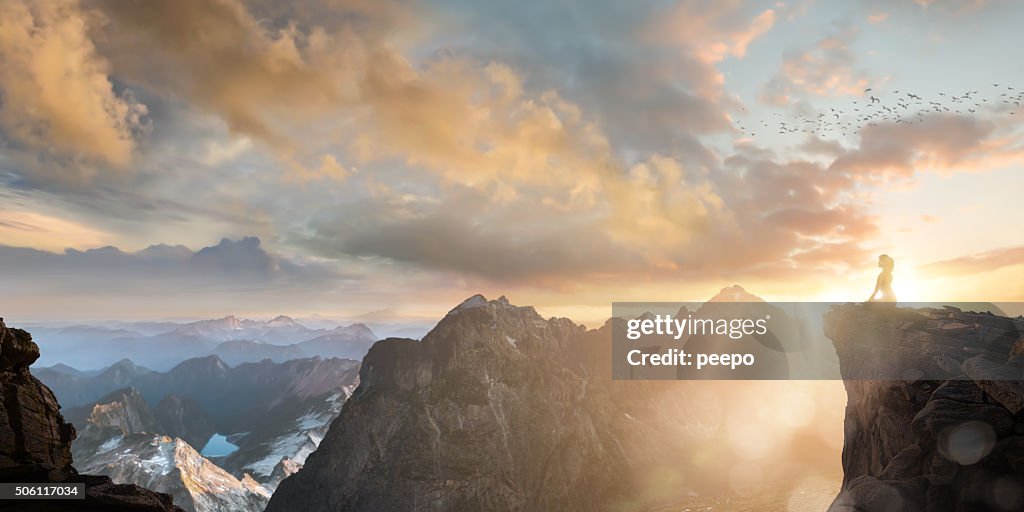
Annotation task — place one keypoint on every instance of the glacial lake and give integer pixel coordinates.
(218, 446)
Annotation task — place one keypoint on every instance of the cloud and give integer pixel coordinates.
(280, 75)
(330, 89)
(939, 142)
(243, 259)
(660, 219)
(31, 229)
(548, 144)
(826, 69)
(878, 17)
(815, 145)
(231, 264)
(55, 93)
(217, 56)
(977, 263)
(714, 30)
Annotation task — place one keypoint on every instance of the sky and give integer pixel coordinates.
(199, 158)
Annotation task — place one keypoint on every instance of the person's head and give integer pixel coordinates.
(886, 262)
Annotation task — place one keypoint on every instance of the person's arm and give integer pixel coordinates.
(878, 286)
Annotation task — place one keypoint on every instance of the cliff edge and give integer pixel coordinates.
(948, 436)
(35, 441)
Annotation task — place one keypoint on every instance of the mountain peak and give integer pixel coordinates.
(479, 301)
(282, 321)
(208, 364)
(227, 322)
(735, 293)
(476, 301)
(126, 366)
(65, 369)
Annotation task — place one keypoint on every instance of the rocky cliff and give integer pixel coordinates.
(128, 412)
(499, 409)
(35, 441)
(949, 435)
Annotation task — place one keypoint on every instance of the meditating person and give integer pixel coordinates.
(883, 285)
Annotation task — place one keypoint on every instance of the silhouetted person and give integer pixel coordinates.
(883, 286)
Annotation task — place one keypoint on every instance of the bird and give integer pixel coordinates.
(905, 108)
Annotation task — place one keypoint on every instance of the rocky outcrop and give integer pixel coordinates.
(35, 441)
(127, 411)
(499, 409)
(124, 410)
(948, 436)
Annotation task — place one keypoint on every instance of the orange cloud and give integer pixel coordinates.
(707, 33)
(40, 231)
(57, 97)
(827, 69)
(714, 31)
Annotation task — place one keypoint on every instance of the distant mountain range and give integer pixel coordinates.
(147, 427)
(160, 346)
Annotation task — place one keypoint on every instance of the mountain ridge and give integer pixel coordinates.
(86, 348)
(498, 408)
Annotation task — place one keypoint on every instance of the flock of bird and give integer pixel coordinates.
(897, 107)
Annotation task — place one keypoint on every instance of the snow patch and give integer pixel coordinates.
(110, 444)
(310, 429)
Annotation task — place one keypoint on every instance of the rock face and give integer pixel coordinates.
(35, 441)
(498, 409)
(184, 418)
(127, 411)
(948, 444)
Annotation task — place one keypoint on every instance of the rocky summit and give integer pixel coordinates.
(35, 441)
(921, 443)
